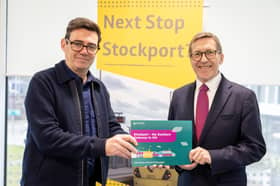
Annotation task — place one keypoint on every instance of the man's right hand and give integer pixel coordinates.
(120, 145)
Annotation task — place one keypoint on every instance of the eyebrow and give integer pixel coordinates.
(204, 50)
(83, 42)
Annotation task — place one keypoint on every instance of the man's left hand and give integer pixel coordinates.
(200, 155)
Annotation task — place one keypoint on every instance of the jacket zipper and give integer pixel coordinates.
(81, 122)
(74, 88)
(98, 122)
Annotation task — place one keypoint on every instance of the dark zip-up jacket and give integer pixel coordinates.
(56, 150)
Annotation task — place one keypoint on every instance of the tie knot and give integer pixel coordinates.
(203, 87)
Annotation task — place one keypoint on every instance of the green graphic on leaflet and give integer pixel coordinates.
(161, 142)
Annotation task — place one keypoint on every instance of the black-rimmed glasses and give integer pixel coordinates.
(77, 46)
(210, 54)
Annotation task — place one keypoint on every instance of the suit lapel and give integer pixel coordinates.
(189, 111)
(190, 96)
(220, 99)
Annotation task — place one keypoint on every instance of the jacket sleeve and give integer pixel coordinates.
(46, 132)
(171, 117)
(249, 148)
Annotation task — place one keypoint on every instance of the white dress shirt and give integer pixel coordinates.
(212, 85)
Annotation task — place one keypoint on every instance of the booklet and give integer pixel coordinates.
(161, 142)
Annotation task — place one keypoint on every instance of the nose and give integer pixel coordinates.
(84, 50)
(203, 58)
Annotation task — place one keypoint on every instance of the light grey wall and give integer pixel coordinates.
(249, 32)
(35, 29)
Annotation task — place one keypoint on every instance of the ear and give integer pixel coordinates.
(63, 44)
(221, 59)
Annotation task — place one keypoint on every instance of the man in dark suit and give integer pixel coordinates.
(227, 135)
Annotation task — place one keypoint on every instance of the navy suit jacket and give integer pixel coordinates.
(232, 134)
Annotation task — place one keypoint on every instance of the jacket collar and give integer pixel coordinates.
(63, 75)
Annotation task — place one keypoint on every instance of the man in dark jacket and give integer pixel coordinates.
(71, 126)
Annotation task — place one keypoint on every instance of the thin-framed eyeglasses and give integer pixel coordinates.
(78, 46)
(210, 54)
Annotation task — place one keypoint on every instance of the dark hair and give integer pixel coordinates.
(81, 22)
(202, 35)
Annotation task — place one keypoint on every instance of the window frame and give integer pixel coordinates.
(3, 89)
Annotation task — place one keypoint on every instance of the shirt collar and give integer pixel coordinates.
(73, 75)
(90, 77)
(213, 83)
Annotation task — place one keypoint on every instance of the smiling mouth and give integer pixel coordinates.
(82, 59)
(204, 66)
